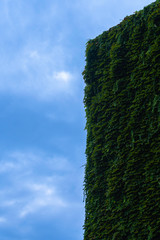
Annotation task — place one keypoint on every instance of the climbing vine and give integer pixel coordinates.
(122, 103)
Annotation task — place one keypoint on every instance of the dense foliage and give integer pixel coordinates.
(122, 102)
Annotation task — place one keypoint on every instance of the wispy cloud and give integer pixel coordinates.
(34, 61)
(2, 220)
(34, 184)
(37, 73)
(45, 197)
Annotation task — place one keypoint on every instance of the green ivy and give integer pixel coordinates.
(122, 104)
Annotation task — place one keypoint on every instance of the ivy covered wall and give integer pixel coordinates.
(122, 103)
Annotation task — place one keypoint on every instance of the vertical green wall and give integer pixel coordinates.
(122, 103)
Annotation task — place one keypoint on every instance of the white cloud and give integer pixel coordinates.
(35, 184)
(37, 74)
(34, 61)
(3, 220)
(6, 167)
(63, 76)
(44, 197)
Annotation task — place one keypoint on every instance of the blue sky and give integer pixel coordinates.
(42, 120)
